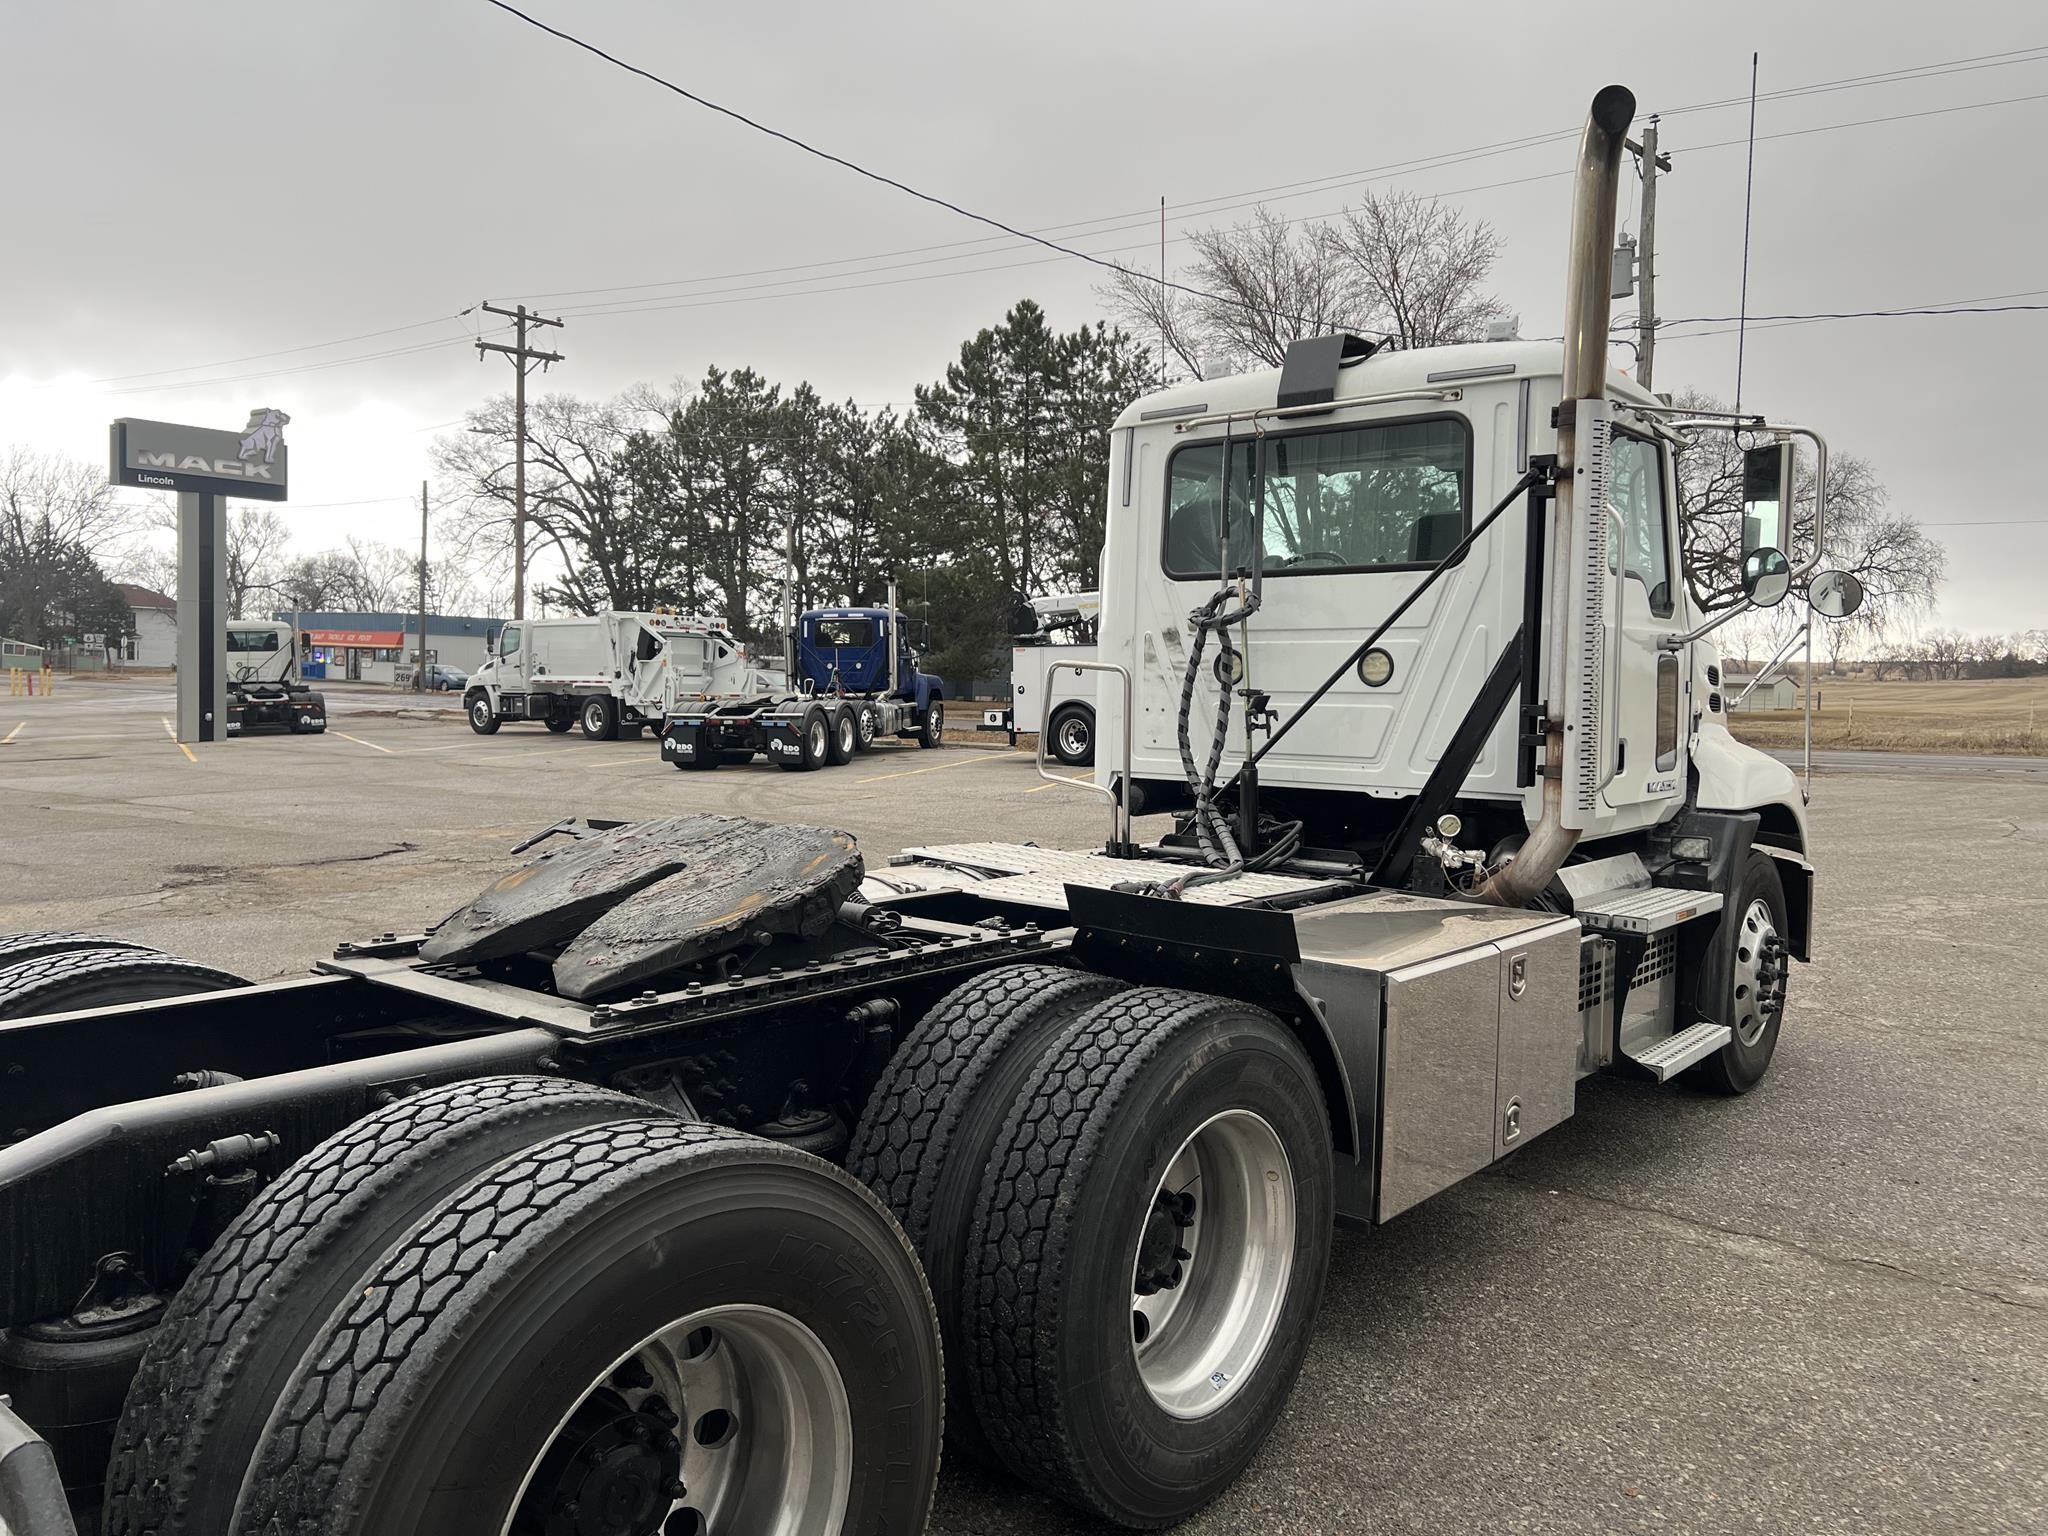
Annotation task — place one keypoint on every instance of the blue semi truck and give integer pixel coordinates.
(856, 681)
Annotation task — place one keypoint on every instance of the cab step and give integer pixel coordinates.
(1645, 909)
(1671, 1056)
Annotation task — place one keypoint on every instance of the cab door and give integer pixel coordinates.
(1650, 707)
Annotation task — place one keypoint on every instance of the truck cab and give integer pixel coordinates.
(862, 650)
(1336, 511)
(265, 693)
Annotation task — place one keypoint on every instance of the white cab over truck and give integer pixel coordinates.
(611, 673)
(1047, 698)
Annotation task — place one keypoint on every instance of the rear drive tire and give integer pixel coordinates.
(1749, 980)
(600, 717)
(844, 740)
(239, 1327)
(931, 1125)
(931, 730)
(1072, 731)
(99, 978)
(482, 718)
(1149, 1254)
(519, 1351)
(30, 946)
(813, 740)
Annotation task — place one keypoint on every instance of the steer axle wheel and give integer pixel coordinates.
(1750, 978)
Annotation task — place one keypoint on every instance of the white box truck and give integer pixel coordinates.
(611, 673)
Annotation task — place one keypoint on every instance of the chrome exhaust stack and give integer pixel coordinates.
(1575, 739)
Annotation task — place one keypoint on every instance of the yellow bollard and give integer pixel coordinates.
(49, 682)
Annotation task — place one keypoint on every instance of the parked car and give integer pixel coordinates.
(446, 679)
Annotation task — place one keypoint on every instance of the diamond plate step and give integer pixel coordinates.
(1667, 1058)
(1646, 910)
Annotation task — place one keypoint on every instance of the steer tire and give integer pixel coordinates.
(97, 978)
(1068, 1206)
(931, 730)
(599, 716)
(931, 1124)
(443, 1387)
(29, 946)
(865, 727)
(1755, 908)
(239, 1327)
(482, 718)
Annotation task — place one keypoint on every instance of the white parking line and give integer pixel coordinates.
(18, 728)
(979, 757)
(344, 735)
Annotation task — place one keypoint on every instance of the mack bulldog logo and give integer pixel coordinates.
(264, 434)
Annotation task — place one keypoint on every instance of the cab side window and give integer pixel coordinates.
(508, 642)
(1635, 497)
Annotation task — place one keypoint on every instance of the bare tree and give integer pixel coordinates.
(254, 558)
(1398, 266)
(64, 501)
(1901, 568)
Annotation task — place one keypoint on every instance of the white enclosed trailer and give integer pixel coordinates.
(611, 673)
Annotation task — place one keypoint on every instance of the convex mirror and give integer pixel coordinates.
(1835, 594)
(1766, 577)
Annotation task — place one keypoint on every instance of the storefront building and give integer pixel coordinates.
(377, 647)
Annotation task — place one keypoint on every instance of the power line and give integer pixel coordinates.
(1143, 217)
(274, 373)
(311, 346)
(873, 175)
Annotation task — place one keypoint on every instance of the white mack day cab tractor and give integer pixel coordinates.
(697, 1177)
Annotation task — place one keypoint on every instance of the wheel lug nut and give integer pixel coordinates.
(1182, 1255)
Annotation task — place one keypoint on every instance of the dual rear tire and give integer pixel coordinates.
(1127, 1294)
(499, 1303)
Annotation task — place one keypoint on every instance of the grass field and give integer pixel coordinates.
(1993, 715)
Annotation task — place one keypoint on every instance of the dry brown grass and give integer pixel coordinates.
(1993, 715)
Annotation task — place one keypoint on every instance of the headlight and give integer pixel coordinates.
(1375, 668)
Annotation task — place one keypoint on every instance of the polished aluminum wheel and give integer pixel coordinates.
(732, 1421)
(1759, 977)
(1072, 739)
(1215, 1255)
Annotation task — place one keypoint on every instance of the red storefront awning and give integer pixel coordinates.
(388, 638)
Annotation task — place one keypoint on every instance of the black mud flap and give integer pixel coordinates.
(684, 742)
(1119, 930)
(783, 739)
(751, 879)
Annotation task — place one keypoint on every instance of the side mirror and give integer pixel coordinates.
(924, 635)
(1835, 594)
(1767, 487)
(1766, 577)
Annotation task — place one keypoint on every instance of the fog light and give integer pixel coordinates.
(1375, 667)
(1692, 850)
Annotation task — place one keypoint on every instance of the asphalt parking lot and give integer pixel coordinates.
(1819, 1308)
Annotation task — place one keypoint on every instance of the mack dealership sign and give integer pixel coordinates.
(162, 456)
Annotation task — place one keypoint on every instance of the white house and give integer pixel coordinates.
(152, 639)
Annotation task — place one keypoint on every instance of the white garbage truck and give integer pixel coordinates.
(1047, 698)
(609, 673)
(700, 1176)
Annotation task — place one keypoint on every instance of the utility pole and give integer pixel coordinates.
(523, 357)
(1650, 163)
(420, 677)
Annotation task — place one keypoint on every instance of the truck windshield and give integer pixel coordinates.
(1349, 498)
(846, 633)
(253, 640)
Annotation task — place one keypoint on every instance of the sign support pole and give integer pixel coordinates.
(203, 634)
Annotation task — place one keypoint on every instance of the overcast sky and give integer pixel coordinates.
(195, 183)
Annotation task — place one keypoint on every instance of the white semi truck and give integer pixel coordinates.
(698, 1177)
(265, 693)
(611, 673)
(1047, 698)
